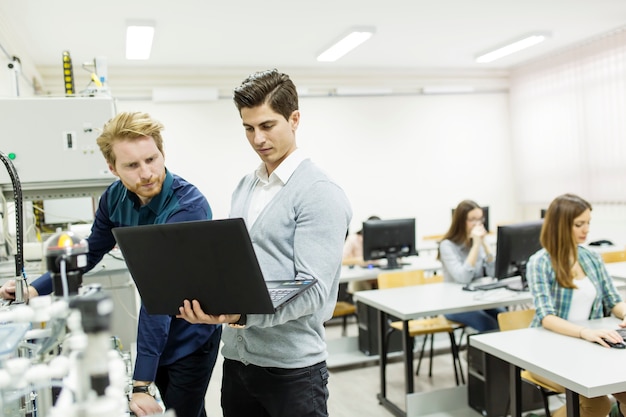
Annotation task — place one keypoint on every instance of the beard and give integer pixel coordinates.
(147, 193)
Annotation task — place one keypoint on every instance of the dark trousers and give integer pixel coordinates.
(253, 391)
(482, 320)
(183, 384)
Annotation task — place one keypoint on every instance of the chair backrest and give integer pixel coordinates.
(516, 319)
(392, 279)
(614, 256)
(433, 279)
(438, 238)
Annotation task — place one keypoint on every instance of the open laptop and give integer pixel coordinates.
(212, 261)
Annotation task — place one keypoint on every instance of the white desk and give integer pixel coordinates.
(408, 303)
(580, 366)
(606, 248)
(359, 273)
(617, 270)
(345, 351)
(429, 246)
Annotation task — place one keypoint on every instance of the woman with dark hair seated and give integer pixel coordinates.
(465, 256)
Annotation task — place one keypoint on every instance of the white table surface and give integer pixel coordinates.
(580, 366)
(359, 273)
(408, 303)
(617, 270)
(412, 302)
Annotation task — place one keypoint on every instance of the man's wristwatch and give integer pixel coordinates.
(145, 389)
(239, 324)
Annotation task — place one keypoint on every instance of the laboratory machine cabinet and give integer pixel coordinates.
(52, 144)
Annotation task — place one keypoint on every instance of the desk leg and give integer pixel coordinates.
(515, 390)
(408, 357)
(571, 401)
(382, 350)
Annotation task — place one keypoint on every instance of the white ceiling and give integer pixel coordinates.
(410, 34)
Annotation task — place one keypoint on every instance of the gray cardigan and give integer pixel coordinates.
(456, 269)
(300, 233)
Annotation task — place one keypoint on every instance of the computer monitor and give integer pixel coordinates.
(389, 239)
(485, 216)
(515, 244)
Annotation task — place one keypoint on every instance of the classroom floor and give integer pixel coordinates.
(353, 389)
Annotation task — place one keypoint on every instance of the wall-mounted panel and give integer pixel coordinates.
(53, 140)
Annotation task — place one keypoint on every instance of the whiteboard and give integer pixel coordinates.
(54, 139)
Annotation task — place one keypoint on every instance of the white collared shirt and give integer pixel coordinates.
(267, 187)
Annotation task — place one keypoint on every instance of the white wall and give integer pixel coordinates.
(395, 156)
(12, 83)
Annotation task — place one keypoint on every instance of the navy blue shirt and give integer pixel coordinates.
(161, 340)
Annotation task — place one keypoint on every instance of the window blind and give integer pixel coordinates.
(568, 116)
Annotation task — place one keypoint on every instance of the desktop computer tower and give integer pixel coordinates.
(488, 386)
(368, 331)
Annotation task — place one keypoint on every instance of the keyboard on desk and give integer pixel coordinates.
(488, 286)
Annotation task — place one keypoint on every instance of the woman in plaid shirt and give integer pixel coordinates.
(570, 283)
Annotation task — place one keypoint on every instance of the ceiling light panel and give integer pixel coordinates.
(512, 47)
(353, 39)
(139, 36)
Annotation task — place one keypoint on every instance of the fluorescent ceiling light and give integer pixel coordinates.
(356, 37)
(139, 40)
(362, 91)
(184, 94)
(516, 46)
(447, 89)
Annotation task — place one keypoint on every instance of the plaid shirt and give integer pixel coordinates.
(550, 298)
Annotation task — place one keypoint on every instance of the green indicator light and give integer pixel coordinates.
(11, 156)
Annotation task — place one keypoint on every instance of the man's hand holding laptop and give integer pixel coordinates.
(193, 313)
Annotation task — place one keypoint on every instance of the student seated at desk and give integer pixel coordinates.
(569, 282)
(353, 255)
(465, 256)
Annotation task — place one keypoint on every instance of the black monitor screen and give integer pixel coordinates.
(485, 216)
(515, 244)
(389, 239)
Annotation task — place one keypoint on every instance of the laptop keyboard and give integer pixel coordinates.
(280, 293)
